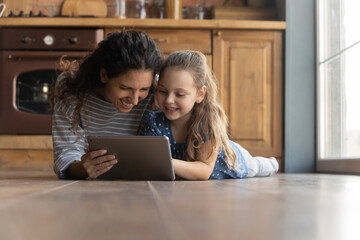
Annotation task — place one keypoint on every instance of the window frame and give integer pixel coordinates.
(327, 165)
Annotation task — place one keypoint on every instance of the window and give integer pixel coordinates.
(338, 86)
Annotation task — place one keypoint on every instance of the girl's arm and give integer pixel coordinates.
(200, 169)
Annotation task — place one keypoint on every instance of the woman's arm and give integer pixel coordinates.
(68, 147)
(76, 170)
(71, 160)
(200, 169)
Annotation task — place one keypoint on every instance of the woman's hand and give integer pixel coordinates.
(96, 163)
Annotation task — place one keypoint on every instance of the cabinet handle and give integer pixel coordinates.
(218, 33)
(160, 40)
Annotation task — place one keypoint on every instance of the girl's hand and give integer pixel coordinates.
(96, 163)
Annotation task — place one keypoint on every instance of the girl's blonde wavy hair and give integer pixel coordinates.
(208, 120)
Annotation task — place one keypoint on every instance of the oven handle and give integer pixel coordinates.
(57, 57)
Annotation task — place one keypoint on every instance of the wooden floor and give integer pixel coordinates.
(36, 205)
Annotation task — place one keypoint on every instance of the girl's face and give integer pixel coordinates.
(125, 91)
(177, 94)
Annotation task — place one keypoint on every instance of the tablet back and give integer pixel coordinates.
(139, 157)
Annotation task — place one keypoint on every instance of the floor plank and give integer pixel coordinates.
(284, 206)
(86, 210)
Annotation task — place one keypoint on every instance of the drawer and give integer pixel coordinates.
(170, 40)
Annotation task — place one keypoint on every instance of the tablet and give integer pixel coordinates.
(139, 157)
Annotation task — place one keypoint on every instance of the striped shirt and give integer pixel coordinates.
(98, 117)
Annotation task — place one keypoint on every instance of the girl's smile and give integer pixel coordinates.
(171, 110)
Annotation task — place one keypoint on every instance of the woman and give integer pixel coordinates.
(107, 93)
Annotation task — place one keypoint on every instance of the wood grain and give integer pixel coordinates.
(285, 206)
(248, 65)
(148, 23)
(43, 142)
(26, 159)
(171, 40)
(26, 152)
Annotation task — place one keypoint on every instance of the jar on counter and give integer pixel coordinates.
(158, 9)
(120, 8)
(174, 9)
(137, 9)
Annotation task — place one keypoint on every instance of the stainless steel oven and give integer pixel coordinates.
(29, 63)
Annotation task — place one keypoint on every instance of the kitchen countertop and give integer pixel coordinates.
(149, 23)
(36, 205)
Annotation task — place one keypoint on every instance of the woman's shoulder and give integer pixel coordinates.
(67, 104)
(66, 75)
(62, 79)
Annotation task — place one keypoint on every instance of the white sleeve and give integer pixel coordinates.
(67, 145)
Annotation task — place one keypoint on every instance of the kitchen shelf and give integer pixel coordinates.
(150, 23)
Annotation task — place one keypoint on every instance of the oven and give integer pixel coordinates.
(29, 63)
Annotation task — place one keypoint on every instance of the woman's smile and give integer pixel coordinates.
(126, 105)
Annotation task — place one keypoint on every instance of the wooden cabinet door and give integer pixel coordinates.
(170, 40)
(248, 65)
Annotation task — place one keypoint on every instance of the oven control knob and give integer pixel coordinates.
(49, 40)
(26, 40)
(74, 40)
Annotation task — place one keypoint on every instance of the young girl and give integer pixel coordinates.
(107, 93)
(196, 124)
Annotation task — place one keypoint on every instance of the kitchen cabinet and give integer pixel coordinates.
(246, 57)
(248, 65)
(24, 152)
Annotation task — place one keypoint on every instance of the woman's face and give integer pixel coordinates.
(126, 90)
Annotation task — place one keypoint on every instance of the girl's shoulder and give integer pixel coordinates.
(156, 124)
(156, 115)
(156, 118)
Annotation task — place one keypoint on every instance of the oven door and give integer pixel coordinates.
(26, 78)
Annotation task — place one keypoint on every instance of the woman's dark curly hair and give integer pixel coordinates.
(117, 54)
